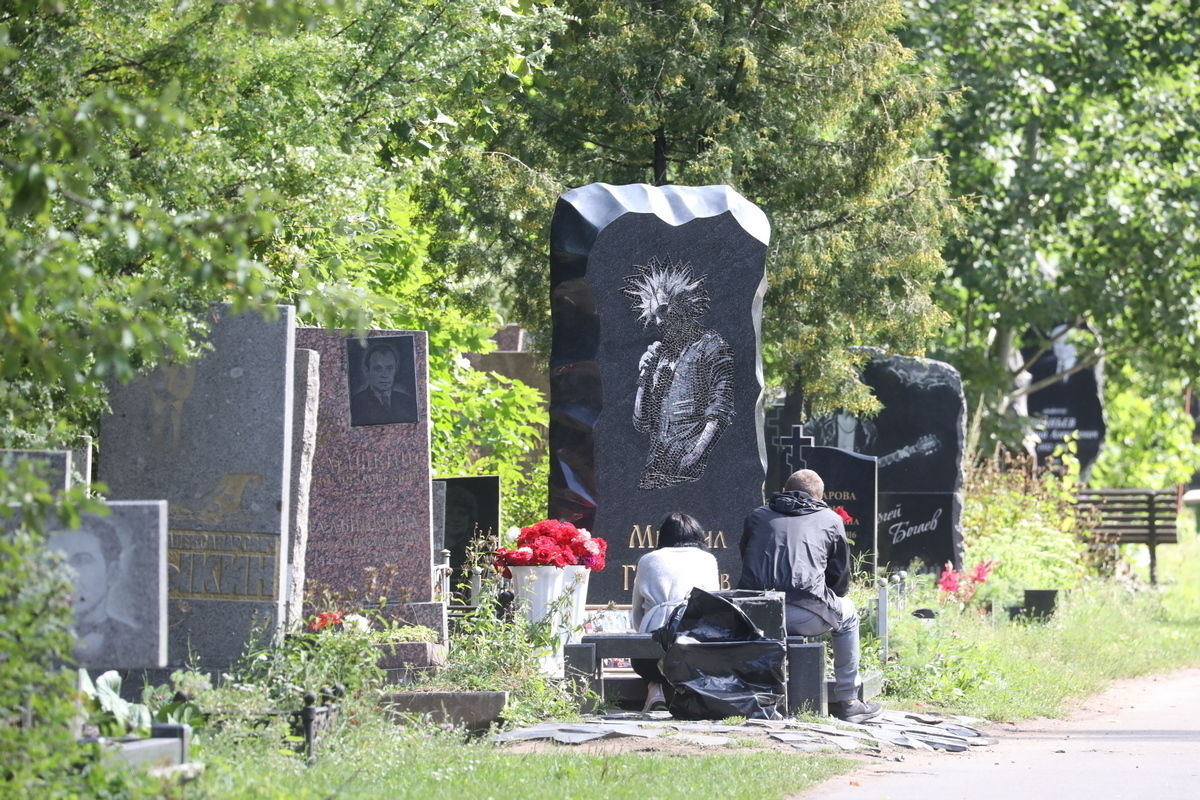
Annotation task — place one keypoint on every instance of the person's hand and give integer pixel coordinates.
(647, 357)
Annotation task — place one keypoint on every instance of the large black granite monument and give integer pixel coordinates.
(656, 384)
(918, 440)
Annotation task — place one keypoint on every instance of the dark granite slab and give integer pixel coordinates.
(656, 386)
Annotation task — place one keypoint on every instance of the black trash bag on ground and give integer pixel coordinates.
(719, 664)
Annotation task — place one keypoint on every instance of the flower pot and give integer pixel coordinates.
(575, 581)
(534, 591)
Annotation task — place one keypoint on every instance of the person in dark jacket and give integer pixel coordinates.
(797, 545)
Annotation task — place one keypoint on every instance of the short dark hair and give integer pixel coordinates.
(680, 530)
(806, 481)
(375, 348)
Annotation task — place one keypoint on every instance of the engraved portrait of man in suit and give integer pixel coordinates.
(383, 380)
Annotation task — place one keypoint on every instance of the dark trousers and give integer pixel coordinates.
(648, 669)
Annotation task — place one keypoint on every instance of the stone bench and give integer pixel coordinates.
(806, 685)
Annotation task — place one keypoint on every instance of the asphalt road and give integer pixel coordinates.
(1138, 739)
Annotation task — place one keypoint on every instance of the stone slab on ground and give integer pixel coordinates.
(893, 732)
(473, 710)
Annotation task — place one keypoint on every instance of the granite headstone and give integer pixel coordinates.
(1072, 406)
(214, 438)
(370, 506)
(918, 439)
(53, 466)
(472, 509)
(306, 393)
(117, 563)
(656, 382)
(120, 599)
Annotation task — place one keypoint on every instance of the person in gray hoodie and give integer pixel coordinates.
(797, 545)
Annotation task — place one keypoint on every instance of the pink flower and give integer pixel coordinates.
(949, 580)
(981, 571)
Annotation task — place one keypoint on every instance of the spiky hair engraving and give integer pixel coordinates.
(661, 286)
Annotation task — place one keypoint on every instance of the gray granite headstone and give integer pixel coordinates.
(214, 438)
(656, 383)
(306, 393)
(81, 461)
(370, 505)
(53, 466)
(120, 572)
(918, 439)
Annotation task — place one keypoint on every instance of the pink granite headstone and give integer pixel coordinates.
(369, 501)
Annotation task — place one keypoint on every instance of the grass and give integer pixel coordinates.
(979, 665)
(373, 759)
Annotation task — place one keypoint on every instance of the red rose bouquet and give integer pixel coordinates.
(552, 543)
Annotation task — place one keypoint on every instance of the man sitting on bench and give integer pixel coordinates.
(797, 545)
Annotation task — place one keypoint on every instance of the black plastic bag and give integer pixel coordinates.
(707, 617)
(719, 664)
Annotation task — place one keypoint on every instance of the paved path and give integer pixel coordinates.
(1139, 739)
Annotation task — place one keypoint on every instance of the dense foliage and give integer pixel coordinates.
(810, 109)
(1074, 137)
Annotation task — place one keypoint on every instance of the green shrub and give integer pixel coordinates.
(1026, 524)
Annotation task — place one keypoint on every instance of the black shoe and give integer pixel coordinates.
(854, 711)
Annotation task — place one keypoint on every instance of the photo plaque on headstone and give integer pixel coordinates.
(656, 387)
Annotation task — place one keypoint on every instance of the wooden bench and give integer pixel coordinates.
(1132, 516)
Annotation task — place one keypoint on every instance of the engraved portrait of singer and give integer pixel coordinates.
(684, 398)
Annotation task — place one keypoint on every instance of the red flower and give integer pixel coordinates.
(981, 571)
(844, 514)
(324, 620)
(551, 543)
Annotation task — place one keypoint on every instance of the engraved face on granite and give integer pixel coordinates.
(383, 381)
(118, 564)
(684, 397)
(656, 295)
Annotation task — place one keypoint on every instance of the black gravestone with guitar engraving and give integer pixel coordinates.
(851, 485)
(918, 440)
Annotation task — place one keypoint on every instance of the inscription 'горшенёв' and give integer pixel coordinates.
(221, 566)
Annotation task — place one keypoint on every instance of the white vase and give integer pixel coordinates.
(575, 581)
(534, 591)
